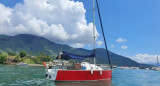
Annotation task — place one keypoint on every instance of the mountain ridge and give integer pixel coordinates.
(34, 44)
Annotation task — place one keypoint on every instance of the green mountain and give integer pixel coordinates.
(34, 44)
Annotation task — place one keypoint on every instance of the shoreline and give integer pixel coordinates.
(16, 64)
(40, 65)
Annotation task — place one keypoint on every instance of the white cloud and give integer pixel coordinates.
(121, 40)
(61, 21)
(4, 15)
(112, 46)
(89, 45)
(145, 58)
(124, 47)
(99, 43)
(77, 45)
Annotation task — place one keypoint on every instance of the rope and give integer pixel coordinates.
(103, 34)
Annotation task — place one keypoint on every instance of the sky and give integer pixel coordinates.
(132, 27)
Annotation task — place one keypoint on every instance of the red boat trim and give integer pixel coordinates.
(83, 75)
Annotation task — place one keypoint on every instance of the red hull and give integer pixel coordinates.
(83, 75)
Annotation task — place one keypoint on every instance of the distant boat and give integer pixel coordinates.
(156, 68)
(126, 67)
(22, 64)
(147, 68)
(134, 67)
(114, 66)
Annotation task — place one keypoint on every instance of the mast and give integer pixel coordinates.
(157, 59)
(94, 37)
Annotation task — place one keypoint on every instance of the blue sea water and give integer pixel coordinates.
(35, 76)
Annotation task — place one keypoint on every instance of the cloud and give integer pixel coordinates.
(145, 58)
(112, 46)
(61, 21)
(99, 43)
(77, 45)
(124, 47)
(121, 40)
(4, 15)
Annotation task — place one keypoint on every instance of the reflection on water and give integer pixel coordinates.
(89, 83)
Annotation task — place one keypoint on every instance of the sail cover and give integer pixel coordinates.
(67, 56)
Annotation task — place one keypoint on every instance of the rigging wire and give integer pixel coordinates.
(107, 52)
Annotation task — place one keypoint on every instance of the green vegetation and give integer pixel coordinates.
(42, 57)
(12, 53)
(17, 59)
(23, 53)
(24, 57)
(3, 59)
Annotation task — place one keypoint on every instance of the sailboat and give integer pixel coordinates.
(156, 68)
(62, 70)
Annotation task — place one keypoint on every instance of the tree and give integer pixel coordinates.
(44, 57)
(11, 53)
(23, 53)
(17, 59)
(3, 59)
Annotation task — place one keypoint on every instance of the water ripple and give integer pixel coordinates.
(35, 76)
